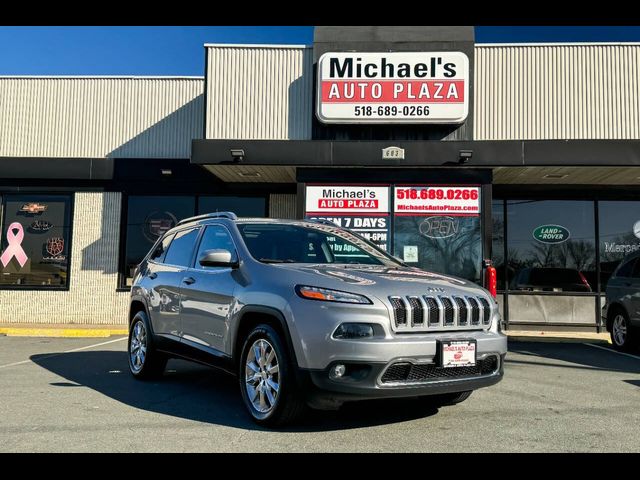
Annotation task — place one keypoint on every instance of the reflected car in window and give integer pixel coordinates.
(539, 279)
(621, 311)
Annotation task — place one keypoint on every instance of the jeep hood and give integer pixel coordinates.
(380, 280)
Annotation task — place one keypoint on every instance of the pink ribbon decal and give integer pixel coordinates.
(14, 249)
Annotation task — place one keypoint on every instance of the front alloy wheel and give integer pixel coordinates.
(262, 377)
(268, 383)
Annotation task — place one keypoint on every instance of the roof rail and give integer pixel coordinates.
(229, 215)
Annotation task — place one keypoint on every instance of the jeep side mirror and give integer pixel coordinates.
(217, 258)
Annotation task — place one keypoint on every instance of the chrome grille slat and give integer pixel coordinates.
(417, 311)
(413, 313)
(475, 311)
(434, 311)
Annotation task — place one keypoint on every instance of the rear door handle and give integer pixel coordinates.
(153, 275)
(189, 280)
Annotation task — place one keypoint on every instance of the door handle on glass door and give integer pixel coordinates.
(189, 280)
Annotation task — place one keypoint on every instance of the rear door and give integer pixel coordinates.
(166, 279)
(208, 294)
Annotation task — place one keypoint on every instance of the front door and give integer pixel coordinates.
(207, 294)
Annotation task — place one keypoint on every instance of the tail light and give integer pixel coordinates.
(491, 278)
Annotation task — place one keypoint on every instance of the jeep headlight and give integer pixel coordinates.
(327, 295)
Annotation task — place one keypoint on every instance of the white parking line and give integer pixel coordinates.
(611, 350)
(62, 353)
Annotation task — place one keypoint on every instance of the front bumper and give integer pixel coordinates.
(325, 392)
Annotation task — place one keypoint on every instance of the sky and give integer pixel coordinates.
(179, 50)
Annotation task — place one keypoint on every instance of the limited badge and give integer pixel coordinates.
(40, 226)
(33, 208)
(55, 246)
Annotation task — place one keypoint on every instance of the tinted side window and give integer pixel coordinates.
(215, 237)
(626, 269)
(161, 250)
(181, 248)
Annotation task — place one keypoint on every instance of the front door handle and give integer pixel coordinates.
(189, 280)
(153, 275)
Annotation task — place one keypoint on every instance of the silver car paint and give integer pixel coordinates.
(311, 323)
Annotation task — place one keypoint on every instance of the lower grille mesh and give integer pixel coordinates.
(411, 373)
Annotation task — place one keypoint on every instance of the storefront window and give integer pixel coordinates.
(619, 224)
(497, 247)
(241, 206)
(35, 240)
(148, 218)
(441, 243)
(551, 246)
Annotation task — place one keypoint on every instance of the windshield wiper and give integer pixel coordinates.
(276, 260)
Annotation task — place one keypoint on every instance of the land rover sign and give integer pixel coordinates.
(551, 234)
(393, 87)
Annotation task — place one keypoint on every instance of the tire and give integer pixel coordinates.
(447, 399)
(623, 336)
(143, 364)
(265, 362)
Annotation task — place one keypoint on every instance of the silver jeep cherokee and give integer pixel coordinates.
(307, 313)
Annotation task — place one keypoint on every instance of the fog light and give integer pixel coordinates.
(353, 330)
(337, 371)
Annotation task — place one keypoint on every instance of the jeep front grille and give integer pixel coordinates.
(439, 312)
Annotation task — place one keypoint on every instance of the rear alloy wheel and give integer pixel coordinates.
(144, 361)
(621, 334)
(267, 381)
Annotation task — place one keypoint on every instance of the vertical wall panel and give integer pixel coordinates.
(258, 92)
(282, 206)
(97, 117)
(562, 91)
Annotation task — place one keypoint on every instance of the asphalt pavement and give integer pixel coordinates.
(76, 395)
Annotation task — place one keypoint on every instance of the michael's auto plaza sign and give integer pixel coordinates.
(393, 87)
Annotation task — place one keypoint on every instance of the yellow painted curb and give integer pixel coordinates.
(62, 332)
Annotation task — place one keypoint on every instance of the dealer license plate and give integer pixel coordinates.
(458, 353)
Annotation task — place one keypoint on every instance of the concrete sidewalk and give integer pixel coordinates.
(101, 331)
(558, 337)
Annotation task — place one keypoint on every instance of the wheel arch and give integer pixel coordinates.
(252, 315)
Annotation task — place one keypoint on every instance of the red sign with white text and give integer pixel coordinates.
(435, 200)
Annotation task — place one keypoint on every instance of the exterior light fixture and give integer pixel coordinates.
(237, 154)
(464, 156)
(166, 171)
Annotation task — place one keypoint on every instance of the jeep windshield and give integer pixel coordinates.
(289, 243)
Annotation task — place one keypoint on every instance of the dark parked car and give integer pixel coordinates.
(621, 311)
(539, 279)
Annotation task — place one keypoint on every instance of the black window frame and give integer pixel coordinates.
(71, 196)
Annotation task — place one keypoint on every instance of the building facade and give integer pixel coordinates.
(442, 151)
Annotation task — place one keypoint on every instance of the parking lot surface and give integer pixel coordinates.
(59, 394)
